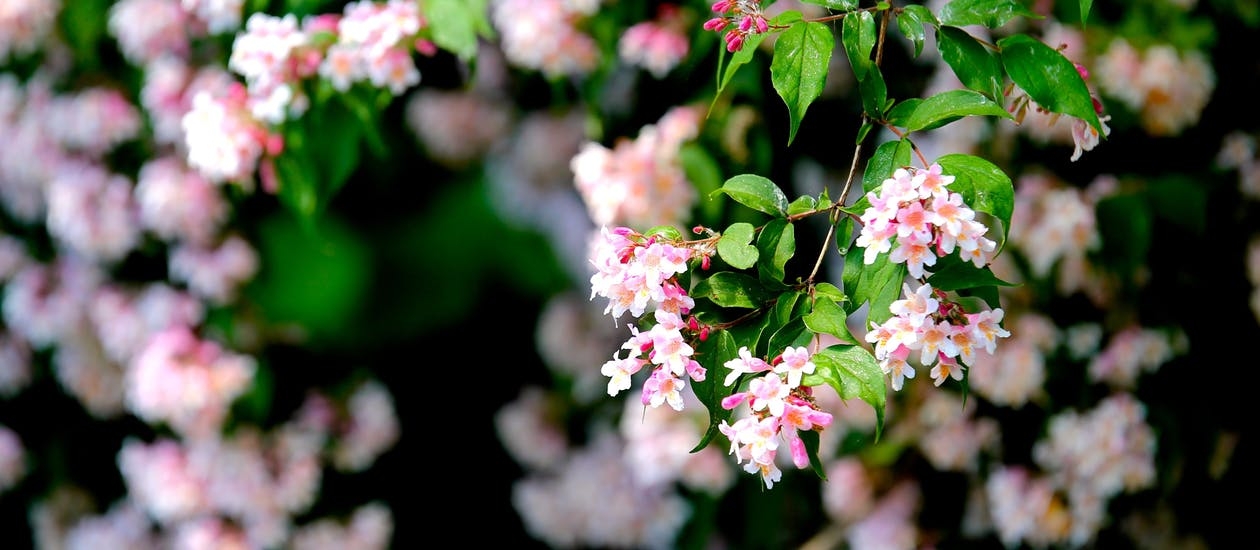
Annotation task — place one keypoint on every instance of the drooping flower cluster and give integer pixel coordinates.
(926, 220)
(640, 182)
(737, 20)
(635, 272)
(779, 407)
(941, 334)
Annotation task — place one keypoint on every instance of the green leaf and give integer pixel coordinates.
(912, 21)
(888, 157)
(1085, 6)
(961, 275)
(874, 93)
(791, 334)
(777, 244)
(946, 107)
(844, 233)
(459, 23)
(976, 66)
(828, 290)
(667, 232)
(1048, 77)
(854, 373)
(713, 353)
(900, 114)
(989, 13)
(732, 289)
(801, 205)
(838, 5)
(799, 68)
(784, 306)
(984, 188)
(812, 442)
(734, 246)
(878, 283)
(829, 318)
(757, 193)
(858, 36)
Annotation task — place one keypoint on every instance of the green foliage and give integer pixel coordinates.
(799, 70)
(988, 13)
(853, 372)
(976, 65)
(734, 246)
(1049, 78)
(756, 192)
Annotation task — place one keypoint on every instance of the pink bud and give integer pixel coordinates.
(715, 24)
(704, 263)
(1082, 70)
(426, 47)
(722, 6)
(761, 24)
(704, 333)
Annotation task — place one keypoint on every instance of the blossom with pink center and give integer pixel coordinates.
(744, 364)
(917, 255)
(934, 339)
(895, 366)
(796, 363)
(946, 367)
(768, 393)
(916, 306)
(663, 387)
(988, 328)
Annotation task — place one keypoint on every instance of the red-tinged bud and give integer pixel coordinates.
(778, 359)
(692, 323)
(1082, 71)
(425, 47)
(734, 41)
(722, 6)
(761, 24)
(704, 263)
(715, 24)
(746, 23)
(697, 229)
(704, 333)
(1098, 106)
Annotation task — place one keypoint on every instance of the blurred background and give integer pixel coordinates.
(314, 274)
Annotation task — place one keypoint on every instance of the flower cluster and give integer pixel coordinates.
(780, 407)
(737, 20)
(926, 219)
(634, 272)
(925, 321)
